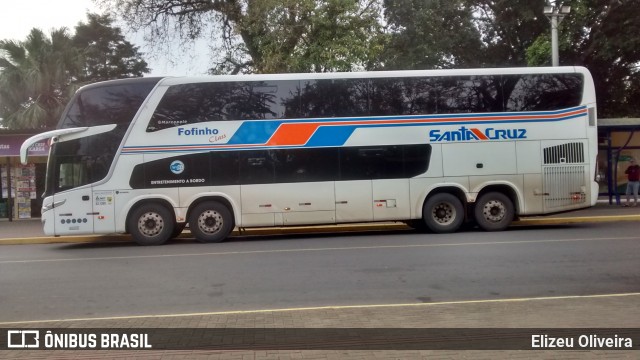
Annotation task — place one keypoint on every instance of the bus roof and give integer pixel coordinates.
(376, 74)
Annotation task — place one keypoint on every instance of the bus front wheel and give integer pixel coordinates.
(443, 213)
(494, 211)
(210, 222)
(151, 224)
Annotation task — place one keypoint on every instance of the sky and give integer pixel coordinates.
(18, 17)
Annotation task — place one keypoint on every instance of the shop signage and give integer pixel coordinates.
(10, 146)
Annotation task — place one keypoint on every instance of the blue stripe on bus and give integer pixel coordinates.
(258, 132)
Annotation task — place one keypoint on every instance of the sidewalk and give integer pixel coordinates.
(578, 312)
(30, 231)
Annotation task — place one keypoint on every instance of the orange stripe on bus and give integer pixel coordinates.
(293, 134)
(479, 134)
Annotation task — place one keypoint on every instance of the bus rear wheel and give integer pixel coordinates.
(494, 211)
(151, 224)
(210, 222)
(443, 213)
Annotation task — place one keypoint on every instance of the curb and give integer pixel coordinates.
(393, 226)
(575, 220)
(186, 235)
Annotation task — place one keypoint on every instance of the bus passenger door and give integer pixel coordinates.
(73, 212)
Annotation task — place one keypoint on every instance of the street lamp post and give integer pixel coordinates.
(555, 13)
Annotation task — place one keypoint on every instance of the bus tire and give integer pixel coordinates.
(151, 224)
(494, 211)
(210, 222)
(443, 213)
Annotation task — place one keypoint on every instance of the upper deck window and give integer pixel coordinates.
(542, 92)
(221, 101)
(108, 104)
(187, 104)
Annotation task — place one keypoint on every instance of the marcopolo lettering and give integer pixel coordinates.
(468, 134)
(197, 131)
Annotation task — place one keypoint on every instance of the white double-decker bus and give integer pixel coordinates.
(432, 148)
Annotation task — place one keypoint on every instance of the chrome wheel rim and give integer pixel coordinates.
(494, 210)
(210, 221)
(443, 213)
(150, 223)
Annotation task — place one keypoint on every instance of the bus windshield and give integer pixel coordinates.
(86, 160)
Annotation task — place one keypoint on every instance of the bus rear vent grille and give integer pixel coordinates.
(564, 186)
(570, 153)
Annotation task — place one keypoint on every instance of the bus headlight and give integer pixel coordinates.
(52, 205)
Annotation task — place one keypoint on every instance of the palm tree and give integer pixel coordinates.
(35, 78)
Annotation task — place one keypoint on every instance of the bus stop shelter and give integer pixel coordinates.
(618, 143)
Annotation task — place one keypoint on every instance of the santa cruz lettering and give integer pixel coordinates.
(468, 134)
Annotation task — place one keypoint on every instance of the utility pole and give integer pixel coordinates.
(556, 14)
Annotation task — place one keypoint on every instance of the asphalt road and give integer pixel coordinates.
(70, 281)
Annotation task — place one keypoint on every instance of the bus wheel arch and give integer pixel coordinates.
(151, 222)
(495, 207)
(211, 219)
(443, 210)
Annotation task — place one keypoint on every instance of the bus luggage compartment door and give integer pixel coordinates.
(306, 203)
(353, 201)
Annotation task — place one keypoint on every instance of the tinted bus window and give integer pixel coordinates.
(371, 162)
(383, 162)
(190, 104)
(87, 160)
(301, 165)
(335, 98)
(83, 161)
(316, 98)
(408, 96)
(284, 166)
(256, 167)
(542, 92)
(201, 102)
(258, 100)
(351, 97)
(470, 94)
(109, 104)
(416, 159)
(225, 168)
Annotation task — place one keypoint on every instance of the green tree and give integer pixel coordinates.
(461, 33)
(508, 28)
(600, 35)
(267, 36)
(35, 78)
(597, 34)
(429, 34)
(39, 75)
(106, 53)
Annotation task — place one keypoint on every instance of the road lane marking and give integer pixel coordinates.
(313, 249)
(316, 308)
